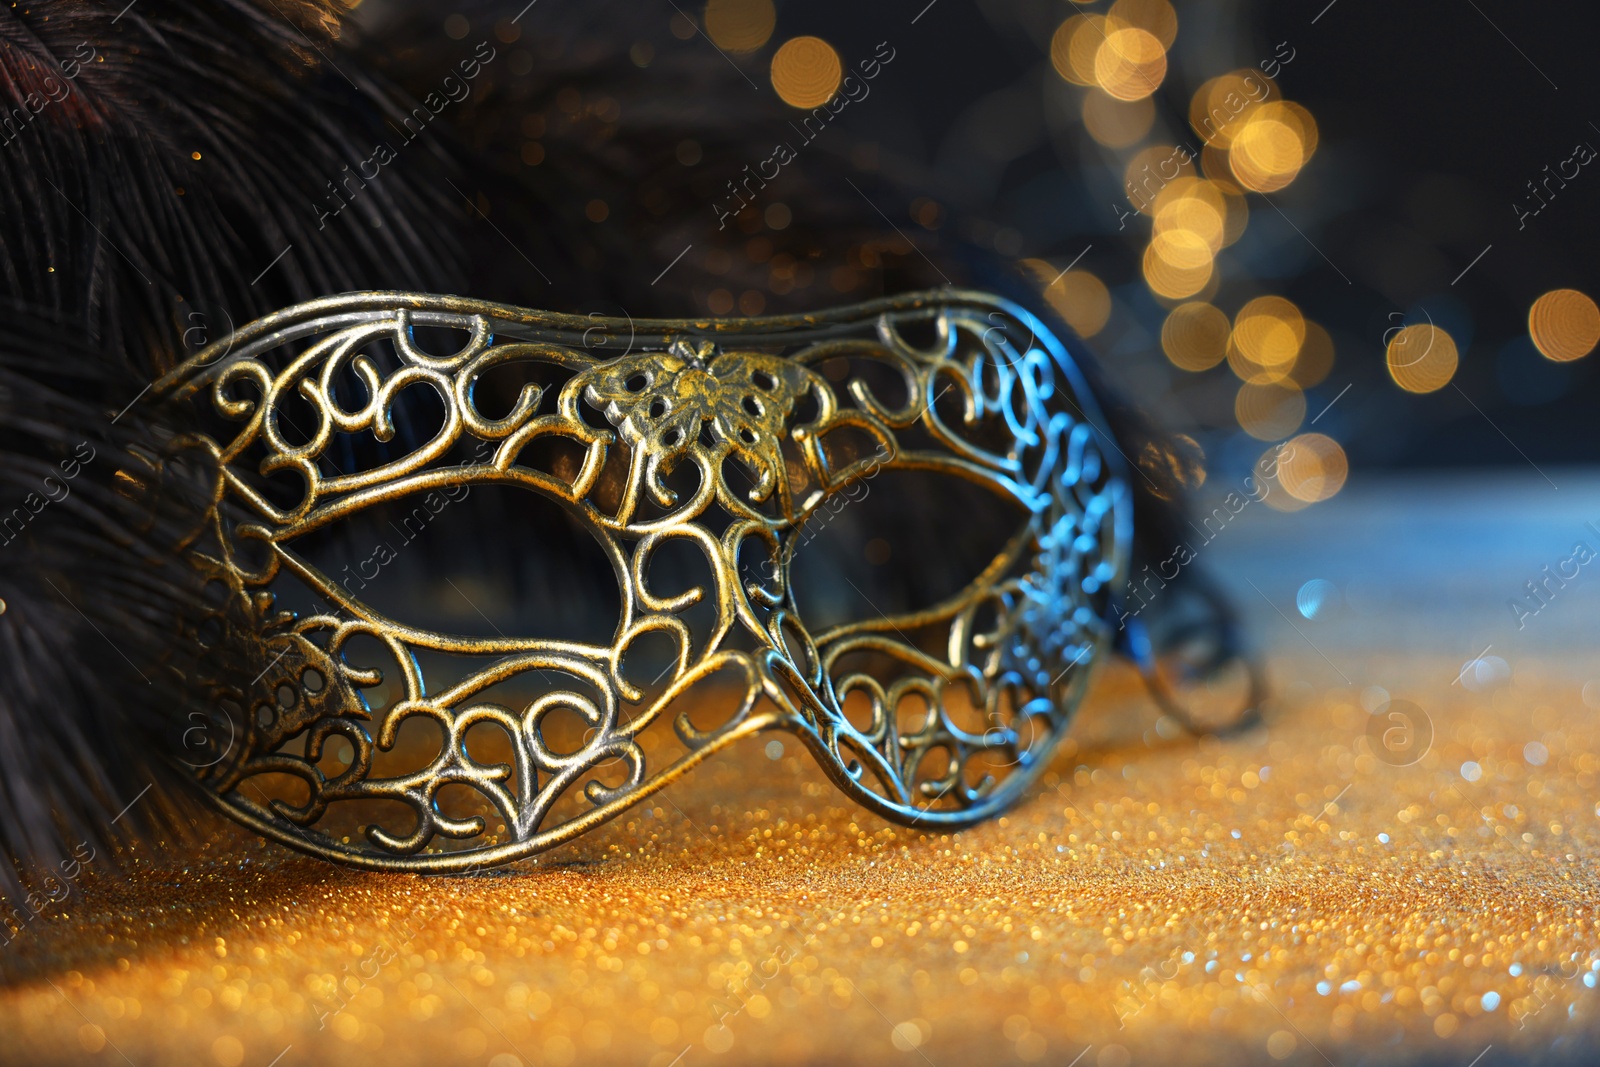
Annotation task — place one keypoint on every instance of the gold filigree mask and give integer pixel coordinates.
(722, 433)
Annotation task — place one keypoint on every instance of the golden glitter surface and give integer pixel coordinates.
(1293, 894)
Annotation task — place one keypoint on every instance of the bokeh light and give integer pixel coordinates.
(1183, 249)
(1082, 299)
(1117, 123)
(806, 72)
(740, 26)
(1130, 63)
(1186, 199)
(1267, 335)
(1317, 598)
(1315, 361)
(1251, 140)
(1272, 145)
(1422, 358)
(1221, 107)
(1200, 217)
(1073, 47)
(1269, 411)
(1195, 336)
(1297, 118)
(1156, 17)
(1078, 296)
(1156, 171)
(1564, 325)
(1175, 280)
(1269, 468)
(1312, 468)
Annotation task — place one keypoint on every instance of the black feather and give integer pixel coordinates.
(158, 158)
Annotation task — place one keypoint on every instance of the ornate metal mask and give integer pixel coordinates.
(723, 433)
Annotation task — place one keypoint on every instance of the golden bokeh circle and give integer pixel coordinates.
(1157, 17)
(740, 26)
(1312, 467)
(1267, 335)
(1117, 123)
(1187, 186)
(1422, 358)
(1221, 106)
(1316, 357)
(1276, 497)
(1564, 325)
(1081, 298)
(1298, 118)
(1267, 153)
(1078, 296)
(1170, 280)
(1269, 411)
(1074, 44)
(1181, 248)
(1198, 216)
(1224, 199)
(806, 72)
(1195, 336)
(1130, 63)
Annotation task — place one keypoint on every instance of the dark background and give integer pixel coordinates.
(1431, 122)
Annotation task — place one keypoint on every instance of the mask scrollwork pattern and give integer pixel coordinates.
(958, 706)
